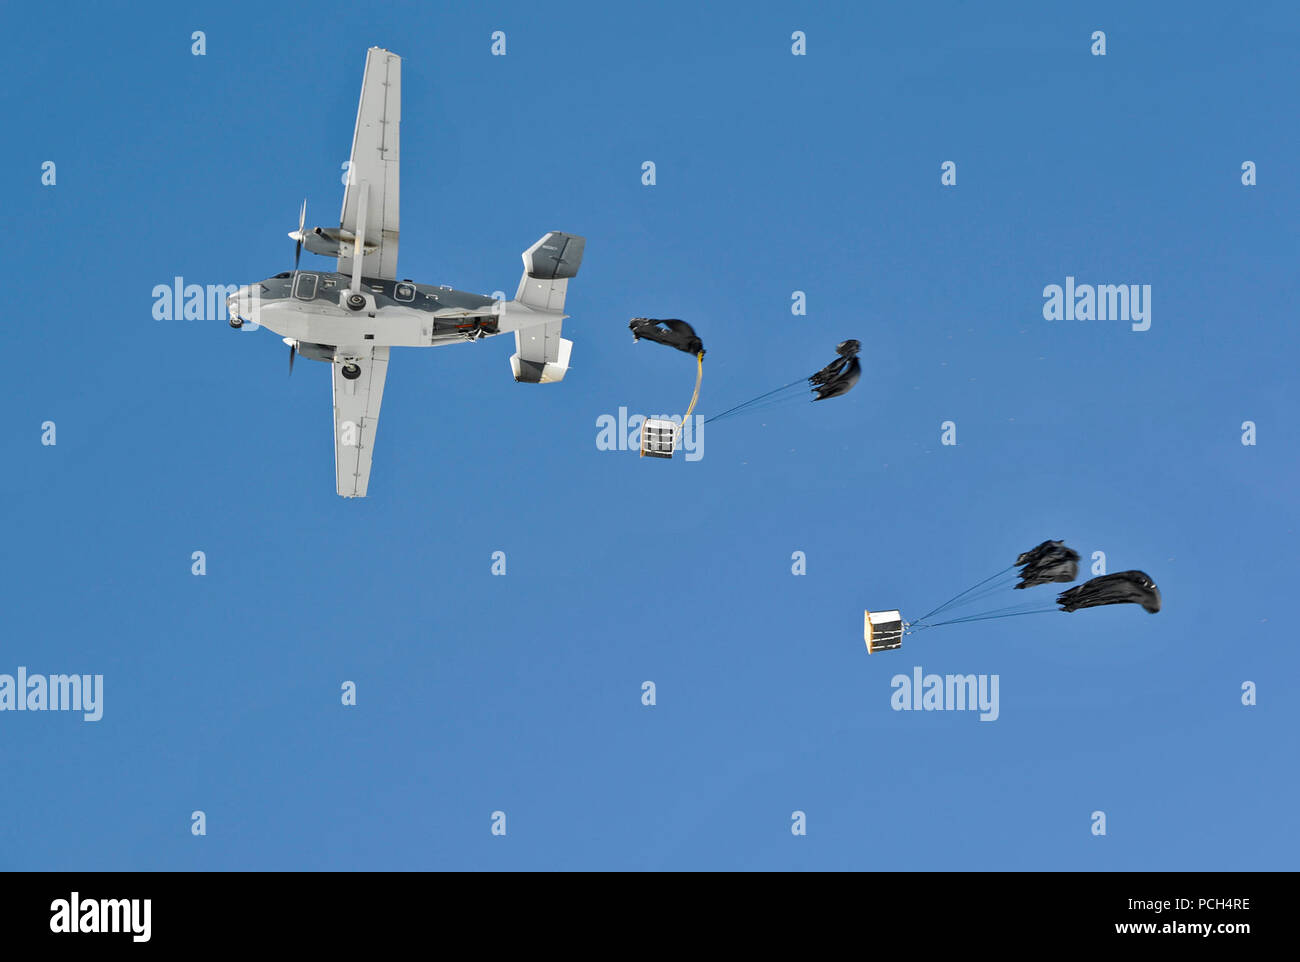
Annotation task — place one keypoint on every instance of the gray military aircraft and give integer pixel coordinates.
(351, 316)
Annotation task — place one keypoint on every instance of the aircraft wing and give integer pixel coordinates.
(374, 165)
(356, 416)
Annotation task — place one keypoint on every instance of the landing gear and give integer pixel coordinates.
(356, 302)
(351, 371)
(236, 322)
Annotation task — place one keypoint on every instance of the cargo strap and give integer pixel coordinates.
(699, 376)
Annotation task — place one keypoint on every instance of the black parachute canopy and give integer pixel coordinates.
(673, 333)
(1123, 587)
(839, 376)
(1050, 561)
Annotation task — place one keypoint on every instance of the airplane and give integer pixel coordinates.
(350, 317)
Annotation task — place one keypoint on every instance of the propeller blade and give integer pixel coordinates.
(297, 251)
(292, 352)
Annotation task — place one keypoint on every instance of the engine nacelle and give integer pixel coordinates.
(313, 352)
(333, 242)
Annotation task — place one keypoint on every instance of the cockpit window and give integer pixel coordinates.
(304, 287)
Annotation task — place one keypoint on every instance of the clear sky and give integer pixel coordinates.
(775, 173)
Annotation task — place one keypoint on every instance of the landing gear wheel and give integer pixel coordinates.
(351, 371)
(356, 302)
(236, 323)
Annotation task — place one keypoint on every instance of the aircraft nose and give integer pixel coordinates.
(241, 306)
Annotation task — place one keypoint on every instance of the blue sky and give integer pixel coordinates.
(521, 693)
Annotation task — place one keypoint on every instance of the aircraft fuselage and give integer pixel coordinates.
(314, 307)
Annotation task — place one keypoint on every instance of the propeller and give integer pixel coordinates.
(298, 234)
(293, 350)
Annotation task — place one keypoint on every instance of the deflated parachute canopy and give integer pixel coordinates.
(847, 350)
(839, 376)
(841, 383)
(1123, 587)
(672, 332)
(1050, 561)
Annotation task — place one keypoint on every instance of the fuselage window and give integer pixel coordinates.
(304, 288)
(404, 292)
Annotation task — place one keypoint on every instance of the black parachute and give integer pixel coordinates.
(847, 350)
(673, 333)
(835, 379)
(1050, 561)
(842, 384)
(1121, 588)
(839, 376)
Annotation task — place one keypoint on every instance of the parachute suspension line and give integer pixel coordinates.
(773, 403)
(996, 588)
(963, 594)
(780, 400)
(744, 404)
(990, 616)
(747, 406)
(1003, 610)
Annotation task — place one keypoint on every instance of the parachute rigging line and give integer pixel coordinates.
(963, 594)
(744, 404)
(983, 616)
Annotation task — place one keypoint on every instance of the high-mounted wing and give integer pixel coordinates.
(356, 416)
(373, 168)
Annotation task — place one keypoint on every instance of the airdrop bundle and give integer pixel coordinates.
(1051, 562)
(659, 436)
